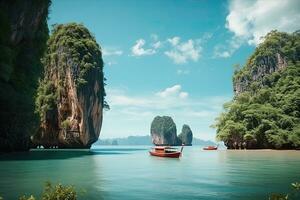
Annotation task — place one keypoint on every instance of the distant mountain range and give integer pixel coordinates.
(143, 140)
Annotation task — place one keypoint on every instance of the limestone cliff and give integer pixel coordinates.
(186, 136)
(262, 67)
(163, 131)
(71, 94)
(23, 36)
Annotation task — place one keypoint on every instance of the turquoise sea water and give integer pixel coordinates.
(128, 172)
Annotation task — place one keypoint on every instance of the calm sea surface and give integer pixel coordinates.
(128, 172)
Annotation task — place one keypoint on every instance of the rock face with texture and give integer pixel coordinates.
(163, 131)
(71, 94)
(23, 36)
(186, 136)
(264, 66)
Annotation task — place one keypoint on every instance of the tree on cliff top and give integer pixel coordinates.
(267, 115)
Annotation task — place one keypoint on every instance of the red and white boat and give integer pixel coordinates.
(166, 151)
(211, 147)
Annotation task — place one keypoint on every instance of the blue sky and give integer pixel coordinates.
(172, 57)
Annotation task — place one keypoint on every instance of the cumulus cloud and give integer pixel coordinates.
(174, 91)
(109, 51)
(182, 52)
(253, 19)
(174, 41)
(139, 50)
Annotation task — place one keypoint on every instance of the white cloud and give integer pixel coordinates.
(184, 51)
(119, 98)
(174, 41)
(174, 91)
(183, 95)
(157, 45)
(183, 72)
(138, 49)
(253, 19)
(111, 52)
(228, 49)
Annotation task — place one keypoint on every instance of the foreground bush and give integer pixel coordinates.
(54, 192)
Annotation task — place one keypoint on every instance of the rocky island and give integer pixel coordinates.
(164, 132)
(186, 135)
(70, 96)
(265, 111)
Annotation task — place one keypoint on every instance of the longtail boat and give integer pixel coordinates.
(211, 147)
(166, 151)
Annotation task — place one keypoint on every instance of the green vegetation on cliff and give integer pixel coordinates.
(71, 92)
(266, 113)
(22, 44)
(69, 44)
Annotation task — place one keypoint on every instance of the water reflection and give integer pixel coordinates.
(54, 154)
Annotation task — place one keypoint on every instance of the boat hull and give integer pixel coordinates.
(168, 155)
(210, 148)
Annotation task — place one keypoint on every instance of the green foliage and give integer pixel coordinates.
(27, 198)
(55, 192)
(296, 186)
(59, 192)
(46, 99)
(66, 124)
(266, 116)
(78, 47)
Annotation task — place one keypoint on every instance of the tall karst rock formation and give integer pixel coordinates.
(70, 98)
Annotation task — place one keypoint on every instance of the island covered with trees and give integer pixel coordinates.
(265, 109)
